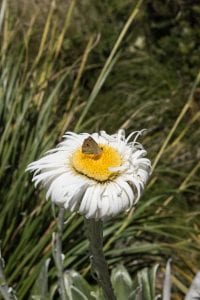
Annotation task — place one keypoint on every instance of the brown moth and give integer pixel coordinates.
(89, 146)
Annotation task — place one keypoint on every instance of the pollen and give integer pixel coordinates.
(97, 166)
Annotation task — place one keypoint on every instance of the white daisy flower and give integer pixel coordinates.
(97, 175)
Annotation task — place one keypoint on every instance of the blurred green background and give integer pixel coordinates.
(90, 66)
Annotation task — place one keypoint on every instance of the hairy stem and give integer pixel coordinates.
(57, 254)
(94, 231)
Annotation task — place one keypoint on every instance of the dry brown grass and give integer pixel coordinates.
(27, 9)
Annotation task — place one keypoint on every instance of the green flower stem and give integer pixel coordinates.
(57, 254)
(94, 231)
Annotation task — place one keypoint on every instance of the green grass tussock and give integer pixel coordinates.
(91, 66)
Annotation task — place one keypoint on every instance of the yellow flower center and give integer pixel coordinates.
(97, 166)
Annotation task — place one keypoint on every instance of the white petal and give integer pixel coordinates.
(127, 189)
(85, 203)
(103, 206)
(73, 198)
(113, 193)
(93, 207)
(46, 176)
(137, 185)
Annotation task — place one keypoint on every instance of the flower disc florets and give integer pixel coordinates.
(97, 166)
(97, 175)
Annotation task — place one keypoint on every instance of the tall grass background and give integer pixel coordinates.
(90, 66)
